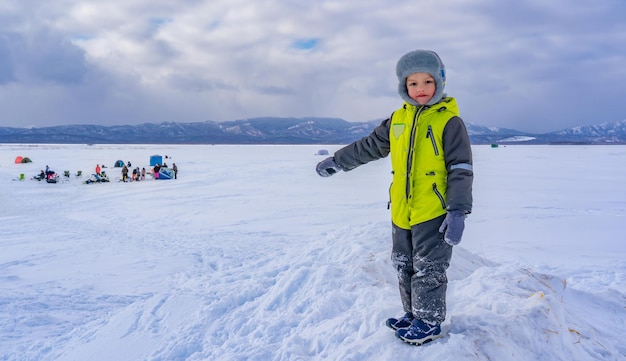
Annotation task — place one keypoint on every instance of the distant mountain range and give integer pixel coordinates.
(272, 130)
(605, 133)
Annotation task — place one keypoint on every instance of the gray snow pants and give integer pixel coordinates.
(421, 257)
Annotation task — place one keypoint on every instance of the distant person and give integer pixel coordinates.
(124, 173)
(49, 172)
(431, 190)
(156, 170)
(175, 169)
(143, 173)
(98, 169)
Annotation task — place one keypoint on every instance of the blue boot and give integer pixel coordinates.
(399, 323)
(419, 332)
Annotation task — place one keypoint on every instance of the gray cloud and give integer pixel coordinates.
(527, 65)
(7, 70)
(46, 57)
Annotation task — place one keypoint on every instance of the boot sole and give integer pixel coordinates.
(422, 341)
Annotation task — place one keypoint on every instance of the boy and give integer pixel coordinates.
(431, 192)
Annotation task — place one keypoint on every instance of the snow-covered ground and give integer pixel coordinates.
(250, 255)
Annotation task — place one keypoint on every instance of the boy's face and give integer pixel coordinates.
(421, 87)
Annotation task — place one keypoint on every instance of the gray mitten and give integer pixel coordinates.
(453, 226)
(327, 167)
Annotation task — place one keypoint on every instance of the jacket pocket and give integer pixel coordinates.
(439, 195)
(429, 134)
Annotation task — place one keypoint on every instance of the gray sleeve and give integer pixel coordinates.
(367, 149)
(458, 153)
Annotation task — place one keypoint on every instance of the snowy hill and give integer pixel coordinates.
(604, 133)
(270, 130)
(250, 255)
(246, 131)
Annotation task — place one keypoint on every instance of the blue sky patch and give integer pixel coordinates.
(304, 44)
(156, 23)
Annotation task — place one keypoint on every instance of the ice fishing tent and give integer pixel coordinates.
(166, 173)
(19, 159)
(118, 164)
(322, 152)
(155, 159)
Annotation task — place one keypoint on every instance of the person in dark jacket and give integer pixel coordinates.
(431, 191)
(124, 173)
(155, 171)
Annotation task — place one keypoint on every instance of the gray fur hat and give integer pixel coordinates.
(421, 61)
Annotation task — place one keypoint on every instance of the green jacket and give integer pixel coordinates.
(431, 159)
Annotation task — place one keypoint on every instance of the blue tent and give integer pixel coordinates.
(166, 173)
(155, 159)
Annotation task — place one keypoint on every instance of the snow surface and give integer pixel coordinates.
(518, 138)
(250, 255)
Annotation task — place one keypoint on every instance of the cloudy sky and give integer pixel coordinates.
(531, 65)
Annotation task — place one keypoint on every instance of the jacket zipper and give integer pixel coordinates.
(409, 160)
(443, 202)
(389, 202)
(430, 135)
